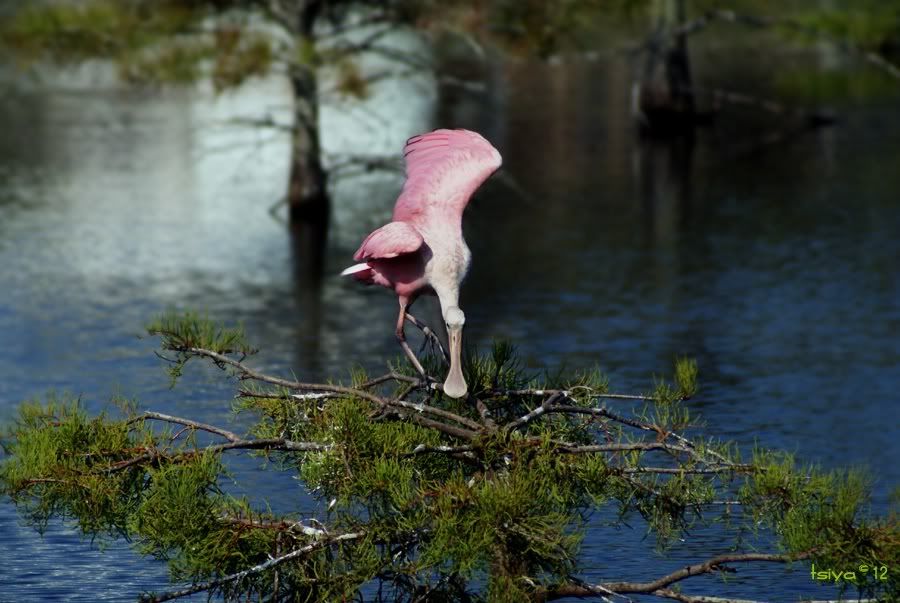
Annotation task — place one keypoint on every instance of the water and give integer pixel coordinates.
(776, 270)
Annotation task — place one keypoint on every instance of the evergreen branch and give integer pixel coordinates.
(605, 413)
(248, 373)
(213, 584)
(269, 444)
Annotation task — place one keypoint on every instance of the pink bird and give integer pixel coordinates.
(422, 250)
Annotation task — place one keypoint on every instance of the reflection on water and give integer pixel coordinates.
(776, 270)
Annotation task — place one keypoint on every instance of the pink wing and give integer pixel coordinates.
(444, 168)
(389, 241)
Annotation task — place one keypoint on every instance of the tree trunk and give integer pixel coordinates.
(664, 94)
(307, 187)
(307, 193)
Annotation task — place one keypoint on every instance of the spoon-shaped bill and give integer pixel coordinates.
(455, 385)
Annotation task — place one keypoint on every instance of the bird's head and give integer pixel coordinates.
(454, 318)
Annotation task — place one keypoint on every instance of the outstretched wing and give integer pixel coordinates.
(444, 167)
(389, 241)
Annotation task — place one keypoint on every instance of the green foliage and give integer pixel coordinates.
(812, 510)
(870, 24)
(56, 456)
(159, 41)
(182, 333)
(421, 492)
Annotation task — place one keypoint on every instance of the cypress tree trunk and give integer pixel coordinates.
(307, 194)
(664, 95)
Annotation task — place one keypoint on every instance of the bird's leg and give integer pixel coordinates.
(429, 334)
(401, 338)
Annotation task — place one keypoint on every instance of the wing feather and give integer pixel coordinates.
(389, 241)
(444, 167)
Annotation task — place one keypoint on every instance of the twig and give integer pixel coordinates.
(423, 449)
(545, 407)
(392, 376)
(679, 471)
(624, 447)
(483, 411)
(605, 413)
(438, 412)
(233, 437)
(271, 444)
(248, 373)
(281, 524)
(314, 396)
(212, 584)
(568, 392)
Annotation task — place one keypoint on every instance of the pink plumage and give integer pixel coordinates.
(389, 241)
(443, 169)
(422, 250)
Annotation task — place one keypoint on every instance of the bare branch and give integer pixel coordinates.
(681, 470)
(212, 584)
(658, 586)
(568, 393)
(545, 407)
(423, 449)
(438, 412)
(280, 524)
(624, 447)
(248, 373)
(233, 437)
(269, 444)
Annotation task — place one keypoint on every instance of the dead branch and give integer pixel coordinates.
(658, 586)
(257, 444)
(158, 416)
(212, 584)
(246, 372)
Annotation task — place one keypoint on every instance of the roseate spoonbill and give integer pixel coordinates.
(422, 251)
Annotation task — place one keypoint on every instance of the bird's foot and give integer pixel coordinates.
(429, 335)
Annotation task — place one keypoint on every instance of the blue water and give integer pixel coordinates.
(777, 270)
